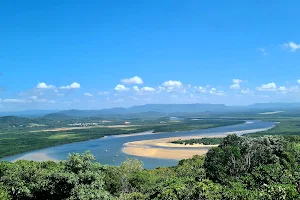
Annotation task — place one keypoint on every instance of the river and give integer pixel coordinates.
(108, 150)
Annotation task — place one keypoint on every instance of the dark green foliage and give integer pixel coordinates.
(238, 155)
(255, 168)
(3, 193)
(77, 178)
(187, 125)
(285, 127)
(240, 168)
(205, 141)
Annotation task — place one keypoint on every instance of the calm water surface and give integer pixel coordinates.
(108, 150)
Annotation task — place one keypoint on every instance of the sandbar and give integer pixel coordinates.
(164, 149)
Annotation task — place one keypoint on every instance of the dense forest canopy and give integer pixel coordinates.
(239, 168)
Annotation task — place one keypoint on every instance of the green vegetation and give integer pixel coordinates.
(187, 125)
(17, 138)
(240, 168)
(284, 127)
(18, 142)
(205, 141)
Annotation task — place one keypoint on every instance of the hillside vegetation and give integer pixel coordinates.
(240, 168)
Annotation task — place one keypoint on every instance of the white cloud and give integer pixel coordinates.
(292, 46)
(282, 89)
(267, 87)
(88, 94)
(43, 85)
(245, 91)
(136, 88)
(214, 91)
(171, 83)
(160, 89)
(236, 84)
(148, 89)
(200, 89)
(133, 80)
(237, 81)
(121, 88)
(74, 85)
(172, 86)
(34, 97)
(143, 89)
(298, 81)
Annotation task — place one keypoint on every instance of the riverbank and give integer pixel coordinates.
(164, 149)
(30, 140)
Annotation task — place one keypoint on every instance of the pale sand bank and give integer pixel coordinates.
(36, 157)
(155, 148)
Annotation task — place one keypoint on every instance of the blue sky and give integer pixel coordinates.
(78, 54)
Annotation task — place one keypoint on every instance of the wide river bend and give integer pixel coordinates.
(108, 150)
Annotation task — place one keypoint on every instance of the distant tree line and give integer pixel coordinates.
(205, 141)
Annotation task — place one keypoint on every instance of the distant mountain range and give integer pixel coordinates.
(156, 109)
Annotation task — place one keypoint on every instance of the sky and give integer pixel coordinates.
(71, 54)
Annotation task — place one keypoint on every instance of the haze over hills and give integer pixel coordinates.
(183, 108)
(156, 109)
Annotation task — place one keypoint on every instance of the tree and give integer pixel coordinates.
(236, 156)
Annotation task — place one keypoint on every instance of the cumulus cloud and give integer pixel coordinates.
(148, 89)
(133, 80)
(172, 83)
(298, 81)
(88, 94)
(200, 89)
(282, 89)
(237, 81)
(136, 88)
(214, 91)
(172, 86)
(143, 89)
(236, 84)
(267, 87)
(43, 85)
(121, 88)
(74, 85)
(292, 46)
